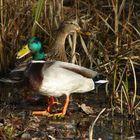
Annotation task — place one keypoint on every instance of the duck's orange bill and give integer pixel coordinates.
(24, 51)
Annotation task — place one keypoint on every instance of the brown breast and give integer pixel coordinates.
(34, 76)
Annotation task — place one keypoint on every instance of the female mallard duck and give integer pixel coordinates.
(55, 78)
(57, 48)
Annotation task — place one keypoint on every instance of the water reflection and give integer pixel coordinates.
(116, 129)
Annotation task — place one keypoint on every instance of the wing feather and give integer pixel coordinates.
(78, 69)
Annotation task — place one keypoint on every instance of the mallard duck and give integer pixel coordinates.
(56, 50)
(55, 78)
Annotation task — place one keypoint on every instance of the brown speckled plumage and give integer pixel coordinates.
(57, 49)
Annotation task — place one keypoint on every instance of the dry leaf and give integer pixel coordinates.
(86, 109)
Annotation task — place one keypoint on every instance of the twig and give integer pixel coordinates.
(93, 124)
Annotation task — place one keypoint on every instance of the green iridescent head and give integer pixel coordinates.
(35, 47)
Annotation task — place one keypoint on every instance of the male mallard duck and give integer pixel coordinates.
(56, 51)
(55, 78)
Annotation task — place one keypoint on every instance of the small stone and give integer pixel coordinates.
(26, 136)
(1, 124)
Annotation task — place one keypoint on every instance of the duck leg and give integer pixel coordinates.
(62, 114)
(51, 102)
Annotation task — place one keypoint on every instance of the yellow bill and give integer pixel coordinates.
(24, 51)
(85, 33)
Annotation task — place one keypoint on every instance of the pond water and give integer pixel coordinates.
(17, 122)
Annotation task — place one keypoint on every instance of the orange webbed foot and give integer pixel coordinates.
(59, 115)
(44, 113)
(47, 112)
